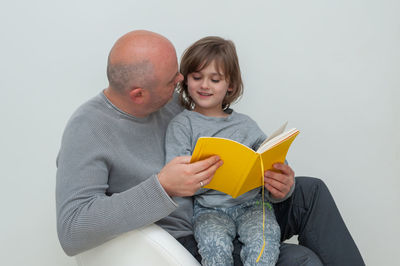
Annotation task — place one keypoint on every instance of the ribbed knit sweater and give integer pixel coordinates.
(106, 176)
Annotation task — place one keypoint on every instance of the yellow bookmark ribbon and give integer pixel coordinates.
(263, 206)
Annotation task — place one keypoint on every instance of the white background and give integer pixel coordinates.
(331, 68)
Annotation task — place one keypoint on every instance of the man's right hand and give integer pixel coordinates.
(181, 178)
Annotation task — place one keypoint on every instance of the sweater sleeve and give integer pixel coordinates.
(86, 215)
(178, 140)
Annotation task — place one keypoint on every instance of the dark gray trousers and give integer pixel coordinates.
(310, 213)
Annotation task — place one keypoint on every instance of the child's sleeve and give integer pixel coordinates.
(177, 140)
(257, 134)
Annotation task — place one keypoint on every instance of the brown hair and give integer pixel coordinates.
(203, 52)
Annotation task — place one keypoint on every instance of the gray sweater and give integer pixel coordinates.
(188, 126)
(106, 176)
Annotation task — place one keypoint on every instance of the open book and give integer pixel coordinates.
(243, 168)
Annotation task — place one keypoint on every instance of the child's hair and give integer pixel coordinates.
(203, 52)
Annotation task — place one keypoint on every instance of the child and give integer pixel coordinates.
(212, 81)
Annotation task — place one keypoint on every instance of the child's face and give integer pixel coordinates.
(208, 88)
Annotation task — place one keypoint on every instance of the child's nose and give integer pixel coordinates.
(204, 84)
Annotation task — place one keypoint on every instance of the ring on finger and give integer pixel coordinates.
(201, 184)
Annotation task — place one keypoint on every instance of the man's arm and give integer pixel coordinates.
(87, 216)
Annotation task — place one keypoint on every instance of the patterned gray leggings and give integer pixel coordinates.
(215, 228)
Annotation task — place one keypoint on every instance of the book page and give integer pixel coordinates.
(273, 135)
(277, 139)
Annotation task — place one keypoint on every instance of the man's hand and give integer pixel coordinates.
(279, 181)
(182, 178)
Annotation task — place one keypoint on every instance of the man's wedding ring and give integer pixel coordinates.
(201, 184)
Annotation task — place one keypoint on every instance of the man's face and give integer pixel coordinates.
(168, 77)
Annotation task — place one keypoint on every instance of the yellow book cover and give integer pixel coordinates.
(243, 168)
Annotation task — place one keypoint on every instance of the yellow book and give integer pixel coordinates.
(242, 170)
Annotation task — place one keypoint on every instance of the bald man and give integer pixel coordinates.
(111, 176)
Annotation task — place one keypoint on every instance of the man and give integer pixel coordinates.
(111, 176)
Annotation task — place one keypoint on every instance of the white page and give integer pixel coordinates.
(273, 135)
(276, 140)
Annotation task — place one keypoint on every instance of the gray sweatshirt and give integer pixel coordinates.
(106, 176)
(188, 126)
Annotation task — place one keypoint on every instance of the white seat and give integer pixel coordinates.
(149, 245)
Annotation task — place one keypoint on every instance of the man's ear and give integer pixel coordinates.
(138, 95)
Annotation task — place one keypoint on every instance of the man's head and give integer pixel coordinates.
(142, 72)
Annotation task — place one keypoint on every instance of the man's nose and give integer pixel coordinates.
(180, 77)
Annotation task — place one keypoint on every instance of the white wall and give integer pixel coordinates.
(332, 68)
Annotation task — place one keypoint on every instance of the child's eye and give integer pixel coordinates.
(215, 80)
(196, 78)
